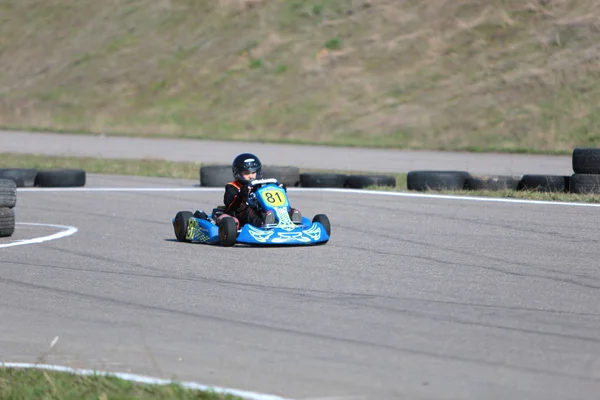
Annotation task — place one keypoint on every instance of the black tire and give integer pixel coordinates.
(7, 222)
(23, 177)
(289, 176)
(323, 180)
(585, 184)
(436, 180)
(586, 161)
(180, 225)
(8, 193)
(60, 178)
(492, 182)
(215, 175)
(544, 183)
(227, 232)
(324, 220)
(362, 181)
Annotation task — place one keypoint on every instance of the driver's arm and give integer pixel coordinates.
(234, 199)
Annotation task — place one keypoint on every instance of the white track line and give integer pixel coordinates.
(69, 230)
(146, 379)
(463, 198)
(332, 190)
(122, 189)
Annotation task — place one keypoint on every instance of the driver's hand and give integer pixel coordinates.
(246, 190)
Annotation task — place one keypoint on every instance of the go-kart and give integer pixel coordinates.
(266, 195)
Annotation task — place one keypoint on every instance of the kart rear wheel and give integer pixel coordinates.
(322, 218)
(227, 232)
(180, 225)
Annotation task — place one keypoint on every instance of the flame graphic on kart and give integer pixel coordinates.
(313, 232)
(284, 237)
(285, 222)
(260, 235)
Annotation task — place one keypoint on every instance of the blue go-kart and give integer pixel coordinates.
(267, 195)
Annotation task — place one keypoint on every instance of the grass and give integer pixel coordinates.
(477, 75)
(167, 169)
(152, 168)
(25, 384)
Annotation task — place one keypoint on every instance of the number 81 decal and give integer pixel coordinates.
(274, 198)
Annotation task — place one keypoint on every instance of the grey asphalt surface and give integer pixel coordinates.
(321, 157)
(412, 298)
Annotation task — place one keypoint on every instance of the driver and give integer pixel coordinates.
(246, 167)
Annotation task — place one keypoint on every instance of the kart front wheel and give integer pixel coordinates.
(323, 220)
(227, 232)
(180, 225)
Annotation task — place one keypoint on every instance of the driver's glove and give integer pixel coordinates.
(246, 190)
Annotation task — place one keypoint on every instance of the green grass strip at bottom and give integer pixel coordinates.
(24, 384)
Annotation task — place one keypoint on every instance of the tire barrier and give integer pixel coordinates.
(585, 183)
(31, 177)
(220, 175)
(23, 177)
(586, 161)
(492, 182)
(8, 201)
(584, 180)
(215, 175)
(289, 176)
(322, 180)
(436, 180)
(60, 178)
(544, 183)
(11, 178)
(586, 168)
(8, 193)
(362, 181)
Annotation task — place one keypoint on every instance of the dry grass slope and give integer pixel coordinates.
(513, 75)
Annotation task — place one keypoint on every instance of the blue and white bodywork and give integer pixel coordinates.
(268, 195)
(271, 197)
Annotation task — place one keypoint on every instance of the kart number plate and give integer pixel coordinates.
(273, 197)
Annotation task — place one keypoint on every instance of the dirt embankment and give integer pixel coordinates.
(474, 74)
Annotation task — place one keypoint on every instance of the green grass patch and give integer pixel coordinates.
(334, 44)
(30, 384)
(153, 168)
(169, 169)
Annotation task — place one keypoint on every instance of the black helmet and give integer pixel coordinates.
(246, 162)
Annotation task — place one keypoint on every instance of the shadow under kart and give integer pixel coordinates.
(267, 195)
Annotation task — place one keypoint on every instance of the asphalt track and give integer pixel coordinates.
(412, 298)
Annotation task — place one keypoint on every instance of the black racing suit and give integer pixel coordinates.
(235, 204)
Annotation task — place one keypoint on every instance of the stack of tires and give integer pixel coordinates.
(220, 175)
(586, 168)
(8, 201)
